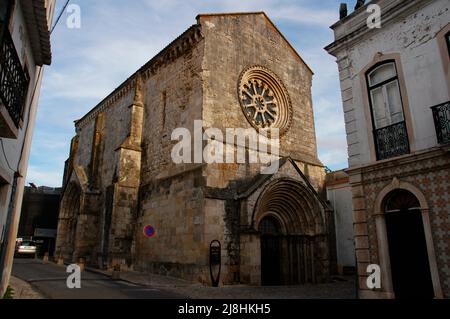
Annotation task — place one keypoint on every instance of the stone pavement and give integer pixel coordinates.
(339, 288)
(51, 281)
(23, 290)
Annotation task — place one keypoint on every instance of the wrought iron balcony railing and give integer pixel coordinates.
(392, 141)
(13, 79)
(441, 115)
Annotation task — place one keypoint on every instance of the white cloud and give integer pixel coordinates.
(302, 14)
(45, 177)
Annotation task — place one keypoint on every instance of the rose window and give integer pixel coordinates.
(264, 100)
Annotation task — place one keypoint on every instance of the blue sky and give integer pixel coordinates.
(117, 37)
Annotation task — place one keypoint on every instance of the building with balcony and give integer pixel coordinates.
(395, 90)
(24, 50)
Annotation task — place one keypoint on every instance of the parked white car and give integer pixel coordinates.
(26, 248)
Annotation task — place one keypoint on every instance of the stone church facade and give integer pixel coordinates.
(229, 71)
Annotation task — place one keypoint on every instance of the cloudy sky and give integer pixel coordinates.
(117, 37)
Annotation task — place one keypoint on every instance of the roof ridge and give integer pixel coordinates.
(229, 14)
(271, 23)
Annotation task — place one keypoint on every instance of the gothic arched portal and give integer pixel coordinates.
(292, 228)
(269, 229)
(67, 224)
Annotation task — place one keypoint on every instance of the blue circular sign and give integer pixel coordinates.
(149, 231)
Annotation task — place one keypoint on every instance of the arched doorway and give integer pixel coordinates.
(270, 251)
(410, 268)
(293, 234)
(67, 223)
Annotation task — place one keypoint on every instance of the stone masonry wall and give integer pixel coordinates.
(171, 197)
(234, 43)
(112, 133)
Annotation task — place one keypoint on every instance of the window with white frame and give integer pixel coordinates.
(384, 91)
(390, 132)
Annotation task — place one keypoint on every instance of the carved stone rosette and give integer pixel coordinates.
(264, 99)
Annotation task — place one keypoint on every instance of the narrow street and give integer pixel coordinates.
(50, 280)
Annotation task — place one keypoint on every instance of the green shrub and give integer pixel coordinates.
(9, 294)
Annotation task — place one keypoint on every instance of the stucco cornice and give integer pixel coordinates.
(354, 27)
(35, 14)
(426, 155)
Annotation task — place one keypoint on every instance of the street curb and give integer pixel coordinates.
(24, 290)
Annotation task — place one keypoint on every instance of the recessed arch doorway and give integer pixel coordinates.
(68, 220)
(270, 231)
(410, 267)
(293, 234)
(396, 198)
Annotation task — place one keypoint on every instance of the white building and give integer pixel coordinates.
(339, 195)
(395, 90)
(25, 48)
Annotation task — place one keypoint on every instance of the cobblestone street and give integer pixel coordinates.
(39, 280)
(336, 290)
(339, 288)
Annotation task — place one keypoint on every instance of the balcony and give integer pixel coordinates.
(391, 141)
(13, 88)
(441, 115)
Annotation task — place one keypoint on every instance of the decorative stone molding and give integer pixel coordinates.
(382, 238)
(395, 185)
(304, 215)
(264, 99)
